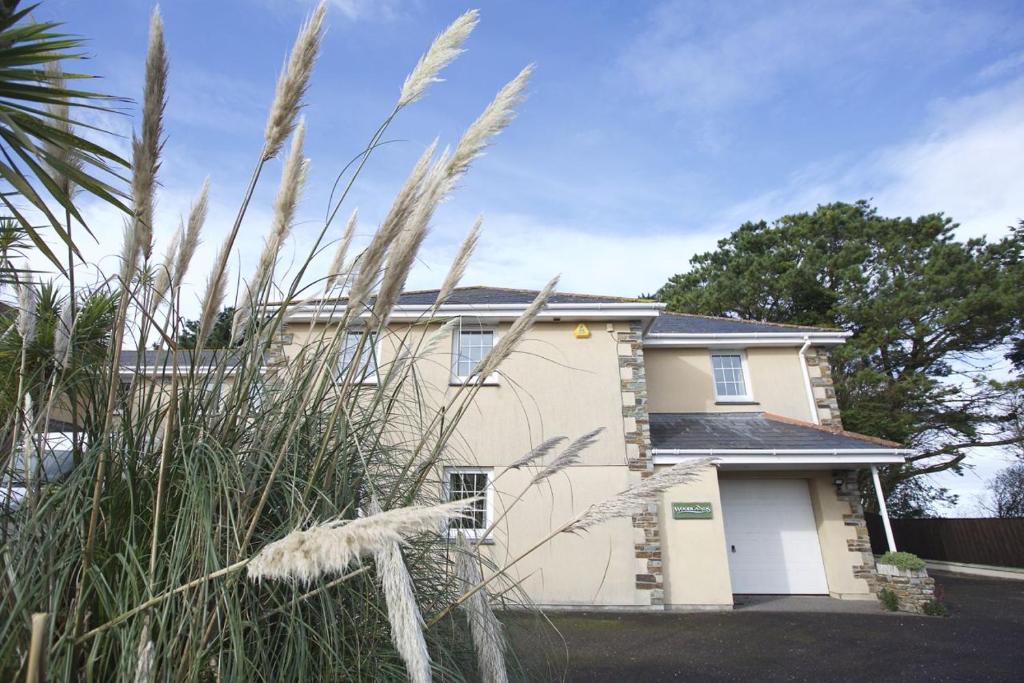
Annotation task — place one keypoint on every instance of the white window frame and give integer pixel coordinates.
(748, 397)
(471, 534)
(374, 347)
(456, 345)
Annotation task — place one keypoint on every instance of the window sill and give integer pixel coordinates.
(485, 383)
(452, 536)
(738, 402)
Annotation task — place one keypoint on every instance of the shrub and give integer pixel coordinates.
(889, 599)
(904, 561)
(934, 608)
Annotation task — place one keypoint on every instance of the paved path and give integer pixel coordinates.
(982, 640)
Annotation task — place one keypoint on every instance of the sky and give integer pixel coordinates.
(652, 129)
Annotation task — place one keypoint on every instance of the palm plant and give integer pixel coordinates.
(42, 158)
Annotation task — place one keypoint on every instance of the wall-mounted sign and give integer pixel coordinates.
(691, 510)
(581, 332)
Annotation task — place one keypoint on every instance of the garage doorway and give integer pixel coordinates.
(771, 537)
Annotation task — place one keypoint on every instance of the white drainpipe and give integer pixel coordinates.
(883, 509)
(807, 381)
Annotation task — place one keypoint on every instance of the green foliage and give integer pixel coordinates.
(925, 310)
(889, 599)
(901, 560)
(934, 608)
(220, 334)
(44, 160)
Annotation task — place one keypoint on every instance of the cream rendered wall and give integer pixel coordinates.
(595, 568)
(696, 567)
(680, 381)
(833, 533)
(554, 385)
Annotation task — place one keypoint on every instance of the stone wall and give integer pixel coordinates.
(636, 425)
(850, 492)
(820, 371)
(913, 588)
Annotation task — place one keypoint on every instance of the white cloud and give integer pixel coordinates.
(967, 161)
(708, 57)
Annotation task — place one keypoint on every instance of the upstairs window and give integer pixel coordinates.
(469, 482)
(366, 365)
(730, 376)
(469, 348)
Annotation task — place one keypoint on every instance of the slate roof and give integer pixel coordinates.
(756, 431)
(685, 323)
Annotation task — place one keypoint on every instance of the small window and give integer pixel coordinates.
(470, 347)
(367, 364)
(464, 482)
(730, 377)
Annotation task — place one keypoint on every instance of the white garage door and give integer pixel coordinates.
(771, 537)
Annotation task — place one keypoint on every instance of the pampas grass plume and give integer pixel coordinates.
(508, 341)
(537, 453)
(330, 548)
(484, 627)
(396, 219)
(60, 111)
(403, 612)
(634, 499)
(293, 83)
(445, 48)
(293, 178)
(62, 336)
(146, 148)
(28, 301)
(338, 262)
(458, 268)
(193, 229)
(569, 456)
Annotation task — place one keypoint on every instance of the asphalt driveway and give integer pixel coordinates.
(981, 640)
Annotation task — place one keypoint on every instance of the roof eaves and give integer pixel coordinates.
(884, 443)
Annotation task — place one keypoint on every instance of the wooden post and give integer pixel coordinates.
(37, 648)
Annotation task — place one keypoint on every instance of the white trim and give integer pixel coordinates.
(783, 456)
(472, 534)
(811, 403)
(501, 312)
(747, 397)
(743, 339)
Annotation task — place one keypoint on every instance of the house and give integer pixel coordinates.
(778, 512)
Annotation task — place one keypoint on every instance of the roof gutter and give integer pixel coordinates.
(760, 457)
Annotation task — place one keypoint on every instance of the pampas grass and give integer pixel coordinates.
(193, 230)
(293, 179)
(462, 258)
(293, 83)
(341, 251)
(488, 636)
(28, 300)
(61, 120)
(570, 456)
(146, 147)
(510, 340)
(401, 210)
(331, 547)
(445, 48)
(403, 612)
(634, 499)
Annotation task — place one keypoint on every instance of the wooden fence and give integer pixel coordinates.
(996, 542)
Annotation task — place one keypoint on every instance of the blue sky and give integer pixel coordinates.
(652, 128)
